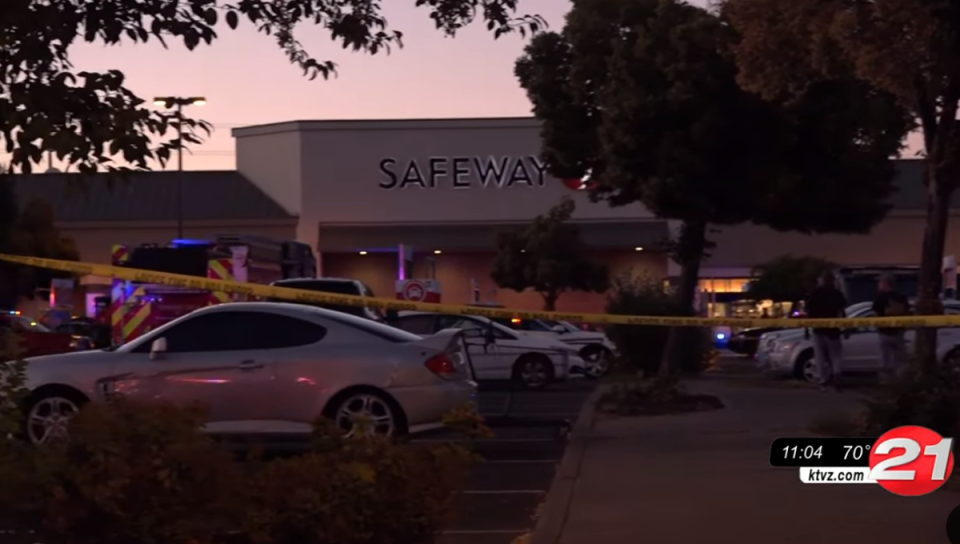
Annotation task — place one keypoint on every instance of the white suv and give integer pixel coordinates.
(789, 352)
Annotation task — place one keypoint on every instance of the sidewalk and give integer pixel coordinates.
(706, 478)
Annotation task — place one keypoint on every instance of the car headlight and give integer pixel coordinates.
(786, 346)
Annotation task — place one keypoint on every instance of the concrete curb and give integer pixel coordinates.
(553, 516)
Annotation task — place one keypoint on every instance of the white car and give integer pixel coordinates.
(594, 347)
(789, 352)
(498, 352)
(263, 367)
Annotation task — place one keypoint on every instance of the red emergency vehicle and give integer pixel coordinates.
(136, 308)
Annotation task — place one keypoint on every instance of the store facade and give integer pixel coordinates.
(440, 187)
(444, 187)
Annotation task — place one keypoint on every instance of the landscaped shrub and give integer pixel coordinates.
(139, 473)
(364, 490)
(929, 398)
(641, 347)
(133, 472)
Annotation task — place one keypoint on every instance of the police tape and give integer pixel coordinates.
(319, 298)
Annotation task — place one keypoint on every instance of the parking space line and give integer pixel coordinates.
(444, 440)
(486, 532)
(544, 415)
(504, 491)
(519, 461)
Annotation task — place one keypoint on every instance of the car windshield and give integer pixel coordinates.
(569, 326)
(538, 325)
(497, 326)
(29, 324)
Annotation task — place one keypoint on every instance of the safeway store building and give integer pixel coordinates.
(358, 190)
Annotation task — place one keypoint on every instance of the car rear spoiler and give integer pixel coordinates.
(451, 342)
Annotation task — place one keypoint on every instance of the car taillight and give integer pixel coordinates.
(441, 365)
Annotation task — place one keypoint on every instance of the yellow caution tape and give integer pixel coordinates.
(315, 297)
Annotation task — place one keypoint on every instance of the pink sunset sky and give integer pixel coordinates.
(247, 80)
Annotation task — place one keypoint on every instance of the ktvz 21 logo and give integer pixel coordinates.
(909, 461)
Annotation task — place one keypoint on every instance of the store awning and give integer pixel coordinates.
(650, 235)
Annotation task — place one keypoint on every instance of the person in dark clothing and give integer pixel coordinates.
(826, 302)
(890, 303)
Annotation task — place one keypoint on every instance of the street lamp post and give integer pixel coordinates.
(177, 104)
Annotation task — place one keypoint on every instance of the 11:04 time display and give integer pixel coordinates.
(802, 453)
(820, 452)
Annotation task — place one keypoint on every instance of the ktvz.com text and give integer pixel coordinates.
(836, 475)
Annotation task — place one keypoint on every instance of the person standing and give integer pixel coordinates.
(890, 303)
(827, 302)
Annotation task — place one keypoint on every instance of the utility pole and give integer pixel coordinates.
(177, 103)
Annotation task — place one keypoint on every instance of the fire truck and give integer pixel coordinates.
(136, 308)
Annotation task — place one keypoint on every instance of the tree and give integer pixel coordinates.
(642, 96)
(37, 235)
(548, 257)
(907, 49)
(787, 278)
(30, 231)
(9, 210)
(91, 119)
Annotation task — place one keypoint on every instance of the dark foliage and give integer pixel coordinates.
(547, 256)
(787, 278)
(93, 121)
(903, 54)
(641, 348)
(643, 96)
(30, 231)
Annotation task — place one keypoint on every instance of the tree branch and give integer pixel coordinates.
(948, 118)
(927, 112)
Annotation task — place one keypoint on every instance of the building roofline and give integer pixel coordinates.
(386, 124)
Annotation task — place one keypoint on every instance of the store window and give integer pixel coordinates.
(725, 297)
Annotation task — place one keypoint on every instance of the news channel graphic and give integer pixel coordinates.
(909, 461)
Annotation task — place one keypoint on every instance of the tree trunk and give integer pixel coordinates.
(931, 263)
(688, 254)
(550, 301)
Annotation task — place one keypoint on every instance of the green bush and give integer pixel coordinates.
(641, 348)
(144, 473)
(929, 398)
(132, 472)
(355, 491)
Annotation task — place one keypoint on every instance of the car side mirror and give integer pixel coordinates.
(158, 348)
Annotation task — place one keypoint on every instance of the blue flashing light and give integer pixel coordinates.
(721, 336)
(188, 242)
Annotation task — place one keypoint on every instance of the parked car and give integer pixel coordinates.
(264, 367)
(98, 333)
(788, 352)
(499, 353)
(746, 341)
(338, 286)
(37, 340)
(594, 348)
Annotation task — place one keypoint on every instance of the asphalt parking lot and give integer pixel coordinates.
(500, 501)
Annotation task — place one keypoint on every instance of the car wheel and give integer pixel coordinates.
(806, 368)
(48, 414)
(533, 371)
(597, 359)
(367, 412)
